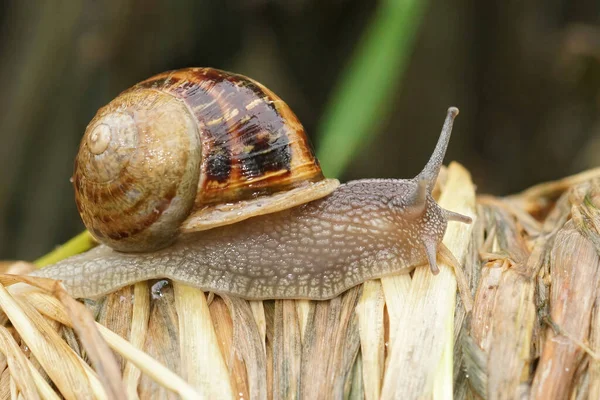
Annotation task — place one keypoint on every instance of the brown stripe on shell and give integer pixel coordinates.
(202, 101)
(145, 220)
(110, 223)
(252, 142)
(266, 147)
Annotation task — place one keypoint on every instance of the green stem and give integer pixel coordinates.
(80, 243)
(362, 99)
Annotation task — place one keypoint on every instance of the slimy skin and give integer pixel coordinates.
(365, 229)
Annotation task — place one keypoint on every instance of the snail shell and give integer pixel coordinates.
(190, 150)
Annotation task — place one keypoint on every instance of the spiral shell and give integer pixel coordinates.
(190, 150)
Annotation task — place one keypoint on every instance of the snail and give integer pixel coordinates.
(206, 177)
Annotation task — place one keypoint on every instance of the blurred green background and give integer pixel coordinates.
(370, 80)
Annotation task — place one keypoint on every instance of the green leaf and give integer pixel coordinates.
(363, 96)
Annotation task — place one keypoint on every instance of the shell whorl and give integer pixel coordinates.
(189, 150)
(137, 171)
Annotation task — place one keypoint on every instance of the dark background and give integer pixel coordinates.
(525, 74)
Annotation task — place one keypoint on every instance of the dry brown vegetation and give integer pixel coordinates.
(530, 260)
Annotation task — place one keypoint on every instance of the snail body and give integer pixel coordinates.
(261, 220)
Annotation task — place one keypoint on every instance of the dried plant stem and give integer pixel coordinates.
(139, 327)
(330, 345)
(58, 360)
(202, 361)
(595, 344)
(303, 308)
(18, 365)
(258, 311)
(287, 350)
(50, 306)
(371, 329)
(148, 365)
(575, 274)
(420, 341)
(96, 348)
(249, 345)
(396, 290)
(541, 195)
(442, 383)
(512, 328)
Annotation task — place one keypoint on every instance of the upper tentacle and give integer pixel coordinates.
(432, 169)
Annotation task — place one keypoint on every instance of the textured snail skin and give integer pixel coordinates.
(365, 229)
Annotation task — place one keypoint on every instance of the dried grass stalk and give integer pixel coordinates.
(538, 199)
(116, 313)
(201, 361)
(512, 327)
(5, 385)
(52, 308)
(96, 348)
(330, 345)
(258, 311)
(64, 367)
(162, 340)
(395, 290)
(427, 319)
(575, 276)
(248, 344)
(504, 316)
(223, 324)
(139, 328)
(18, 365)
(303, 308)
(357, 390)
(594, 368)
(287, 350)
(370, 312)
